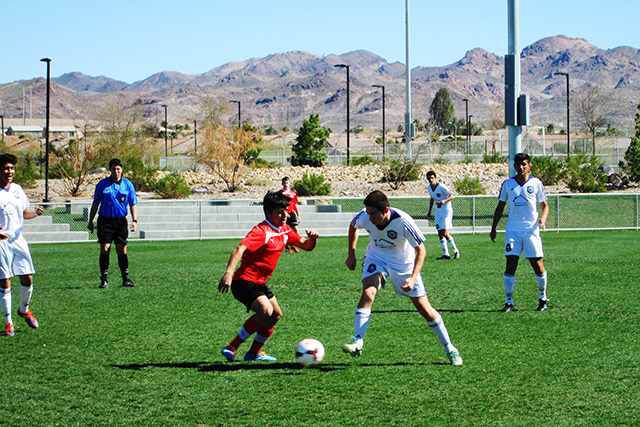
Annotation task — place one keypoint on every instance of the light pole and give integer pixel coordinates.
(455, 131)
(568, 109)
(466, 114)
(348, 130)
(469, 132)
(195, 137)
(384, 128)
(2, 118)
(239, 117)
(166, 129)
(46, 134)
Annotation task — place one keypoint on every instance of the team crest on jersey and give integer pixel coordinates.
(438, 195)
(371, 268)
(123, 198)
(16, 194)
(509, 247)
(530, 190)
(392, 234)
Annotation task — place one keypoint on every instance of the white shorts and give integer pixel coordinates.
(372, 265)
(15, 258)
(443, 219)
(529, 241)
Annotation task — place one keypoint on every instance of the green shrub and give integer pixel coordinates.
(548, 169)
(494, 158)
(260, 182)
(364, 160)
(396, 172)
(440, 161)
(173, 187)
(469, 186)
(312, 185)
(467, 159)
(143, 178)
(583, 175)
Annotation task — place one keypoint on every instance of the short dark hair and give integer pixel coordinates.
(274, 200)
(115, 162)
(430, 173)
(286, 178)
(8, 158)
(378, 200)
(521, 157)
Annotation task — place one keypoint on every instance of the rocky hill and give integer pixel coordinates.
(284, 88)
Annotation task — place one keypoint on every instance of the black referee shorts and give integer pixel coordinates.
(293, 219)
(112, 230)
(247, 292)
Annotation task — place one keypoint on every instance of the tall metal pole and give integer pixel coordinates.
(407, 116)
(46, 133)
(515, 131)
(568, 108)
(166, 129)
(384, 126)
(239, 116)
(466, 115)
(2, 117)
(195, 137)
(348, 125)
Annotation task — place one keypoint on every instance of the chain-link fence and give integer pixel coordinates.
(209, 219)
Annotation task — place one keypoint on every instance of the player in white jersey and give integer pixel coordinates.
(523, 193)
(396, 251)
(441, 196)
(15, 258)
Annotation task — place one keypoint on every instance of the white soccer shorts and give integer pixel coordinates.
(373, 265)
(15, 258)
(529, 241)
(443, 219)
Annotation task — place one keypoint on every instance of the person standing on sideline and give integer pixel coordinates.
(396, 250)
(523, 192)
(112, 197)
(292, 210)
(258, 254)
(15, 255)
(441, 196)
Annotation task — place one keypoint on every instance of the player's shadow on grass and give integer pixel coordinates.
(440, 310)
(230, 367)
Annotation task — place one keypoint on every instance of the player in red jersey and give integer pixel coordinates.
(258, 254)
(292, 209)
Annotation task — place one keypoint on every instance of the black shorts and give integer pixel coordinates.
(293, 219)
(112, 230)
(247, 292)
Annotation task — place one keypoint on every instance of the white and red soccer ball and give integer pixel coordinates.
(309, 352)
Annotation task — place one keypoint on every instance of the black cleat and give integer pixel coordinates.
(507, 308)
(103, 283)
(444, 257)
(127, 283)
(542, 305)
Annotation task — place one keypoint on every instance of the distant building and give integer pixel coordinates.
(36, 131)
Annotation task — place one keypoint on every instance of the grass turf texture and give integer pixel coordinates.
(151, 355)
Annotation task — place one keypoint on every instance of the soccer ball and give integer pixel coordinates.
(309, 352)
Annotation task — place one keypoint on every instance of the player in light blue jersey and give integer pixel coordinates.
(523, 192)
(396, 251)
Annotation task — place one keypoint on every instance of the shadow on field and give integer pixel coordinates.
(229, 367)
(440, 310)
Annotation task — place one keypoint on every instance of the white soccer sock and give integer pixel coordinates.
(445, 249)
(363, 315)
(441, 332)
(509, 284)
(542, 286)
(5, 300)
(25, 298)
(453, 245)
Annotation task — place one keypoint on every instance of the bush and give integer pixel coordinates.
(467, 159)
(312, 185)
(173, 187)
(583, 175)
(143, 178)
(364, 160)
(440, 161)
(494, 158)
(396, 172)
(548, 169)
(469, 186)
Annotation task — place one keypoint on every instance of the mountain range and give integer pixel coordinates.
(284, 88)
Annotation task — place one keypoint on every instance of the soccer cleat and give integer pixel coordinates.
(296, 250)
(542, 305)
(228, 352)
(454, 357)
(103, 283)
(354, 349)
(456, 255)
(127, 283)
(444, 257)
(507, 308)
(288, 250)
(28, 317)
(260, 357)
(8, 330)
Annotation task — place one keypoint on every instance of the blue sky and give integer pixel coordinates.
(130, 40)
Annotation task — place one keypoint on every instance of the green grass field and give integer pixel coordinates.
(151, 355)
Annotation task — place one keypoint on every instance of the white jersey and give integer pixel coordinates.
(396, 242)
(438, 194)
(13, 203)
(523, 202)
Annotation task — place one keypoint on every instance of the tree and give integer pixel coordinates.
(595, 105)
(74, 162)
(441, 110)
(632, 155)
(309, 144)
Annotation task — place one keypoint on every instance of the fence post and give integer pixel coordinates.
(637, 225)
(557, 213)
(200, 217)
(473, 214)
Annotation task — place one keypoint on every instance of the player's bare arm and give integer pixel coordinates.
(545, 213)
(496, 219)
(447, 200)
(431, 201)
(29, 214)
(92, 214)
(134, 218)
(236, 256)
(421, 252)
(353, 240)
(308, 243)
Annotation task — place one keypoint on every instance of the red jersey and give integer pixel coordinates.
(264, 245)
(294, 199)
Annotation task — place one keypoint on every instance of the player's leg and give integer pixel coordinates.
(22, 266)
(452, 243)
(268, 313)
(120, 239)
(510, 281)
(435, 322)
(5, 301)
(370, 286)
(534, 253)
(26, 291)
(105, 250)
(443, 242)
